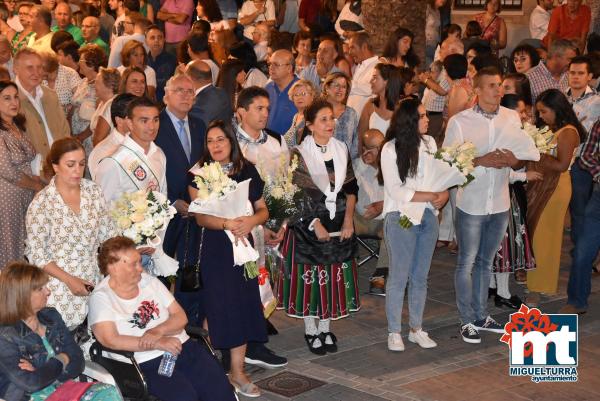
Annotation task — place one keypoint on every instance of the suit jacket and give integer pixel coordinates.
(212, 103)
(177, 170)
(34, 125)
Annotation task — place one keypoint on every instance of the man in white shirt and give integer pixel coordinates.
(41, 21)
(482, 205)
(254, 11)
(139, 24)
(540, 18)
(367, 216)
(365, 59)
(118, 115)
(137, 164)
(198, 49)
(260, 38)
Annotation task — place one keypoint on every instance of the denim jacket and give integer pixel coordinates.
(19, 342)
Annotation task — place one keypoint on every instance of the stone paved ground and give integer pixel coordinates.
(364, 370)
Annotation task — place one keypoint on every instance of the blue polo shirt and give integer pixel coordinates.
(164, 65)
(282, 109)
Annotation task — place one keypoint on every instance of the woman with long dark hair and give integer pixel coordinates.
(548, 199)
(320, 244)
(17, 181)
(232, 302)
(410, 249)
(398, 49)
(388, 85)
(231, 78)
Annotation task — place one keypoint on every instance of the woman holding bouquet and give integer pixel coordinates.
(231, 301)
(66, 222)
(410, 248)
(548, 199)
(320, 244)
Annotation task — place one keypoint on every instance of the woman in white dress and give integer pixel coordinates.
(66, 222)
(107, 85)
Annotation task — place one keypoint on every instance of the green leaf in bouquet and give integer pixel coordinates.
(250, 270)
(405, 222)
(470, 178)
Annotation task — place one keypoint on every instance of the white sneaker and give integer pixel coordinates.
(422, 338)
(395, 342)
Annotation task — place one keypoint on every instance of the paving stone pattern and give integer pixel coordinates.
(364, 370)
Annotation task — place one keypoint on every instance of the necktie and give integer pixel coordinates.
(183, 138)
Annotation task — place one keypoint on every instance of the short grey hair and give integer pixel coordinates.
(177, 77)
(560, 46)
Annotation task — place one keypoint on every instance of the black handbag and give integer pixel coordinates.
(191, 276)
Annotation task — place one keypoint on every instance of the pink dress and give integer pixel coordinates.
(491, 31)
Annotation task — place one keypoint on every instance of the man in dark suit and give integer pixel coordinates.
(181, 138)
(211, 103)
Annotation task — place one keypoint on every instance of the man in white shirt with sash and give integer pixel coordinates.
(137, 163)
(482, 206)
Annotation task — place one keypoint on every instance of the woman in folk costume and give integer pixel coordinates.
(320, 278)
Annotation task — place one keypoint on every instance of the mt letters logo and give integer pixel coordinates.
(542, 346)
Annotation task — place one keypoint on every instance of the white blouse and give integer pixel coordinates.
(55, 233)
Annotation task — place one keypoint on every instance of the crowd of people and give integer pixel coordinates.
(104, 98)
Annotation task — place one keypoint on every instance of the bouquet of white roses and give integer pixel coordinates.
(143, 216)
(220, 196)
(542, 137)
(448, 167)
(460, 156)
(280, 192)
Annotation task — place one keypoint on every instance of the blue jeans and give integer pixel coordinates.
(581, 182)
(478, 240)
(586, 249)
(410, 252)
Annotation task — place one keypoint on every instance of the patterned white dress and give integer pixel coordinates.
(55, 233)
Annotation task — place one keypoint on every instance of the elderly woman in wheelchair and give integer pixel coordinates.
(38, 355)
(130, 310)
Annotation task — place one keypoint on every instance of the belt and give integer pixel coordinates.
(433, 113)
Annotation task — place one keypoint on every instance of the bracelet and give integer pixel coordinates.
(311, 226)
(224, 223)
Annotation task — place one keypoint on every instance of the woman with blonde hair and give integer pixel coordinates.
(37, 352)
(66, 222)
(302, 93)
(134, 55)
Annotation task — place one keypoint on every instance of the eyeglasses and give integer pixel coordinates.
(337, 86)
(300, 94)
(277, 65)
(182, 91)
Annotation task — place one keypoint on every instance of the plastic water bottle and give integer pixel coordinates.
(167, 364)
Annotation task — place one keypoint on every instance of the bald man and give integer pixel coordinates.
(63, 16)
(281, 72)
(368, 219)
(90, 31)
(211, 103)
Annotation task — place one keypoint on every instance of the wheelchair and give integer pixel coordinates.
(128, 377)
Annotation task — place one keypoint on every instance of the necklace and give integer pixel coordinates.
(322, 148)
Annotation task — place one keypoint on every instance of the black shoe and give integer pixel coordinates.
(310, 341)
(470, 334)
(271, 330)
(260, 355)
(492, 292)
(377, 286)
(513, 302)
(329, 347)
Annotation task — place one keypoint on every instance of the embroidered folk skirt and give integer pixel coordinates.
(516, 251)
(326, 291)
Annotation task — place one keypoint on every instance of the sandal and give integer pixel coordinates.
(330, 347)
(310, 341)
(248, 390)
(441, 244)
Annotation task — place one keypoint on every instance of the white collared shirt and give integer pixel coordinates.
(105, 148)
(369, 190)
(200, 89)
(261, 153)
(397, 193)
(488, 192)
(114, 181)
(175, 121)
(38, 106)
(538, 22)
(360, 91)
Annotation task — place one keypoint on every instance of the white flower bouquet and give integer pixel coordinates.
(143, 216)
(542, 137)
(445, 168)
(220, 196)
(280, 192)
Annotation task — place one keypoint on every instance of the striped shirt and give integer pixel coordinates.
(541, 79)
